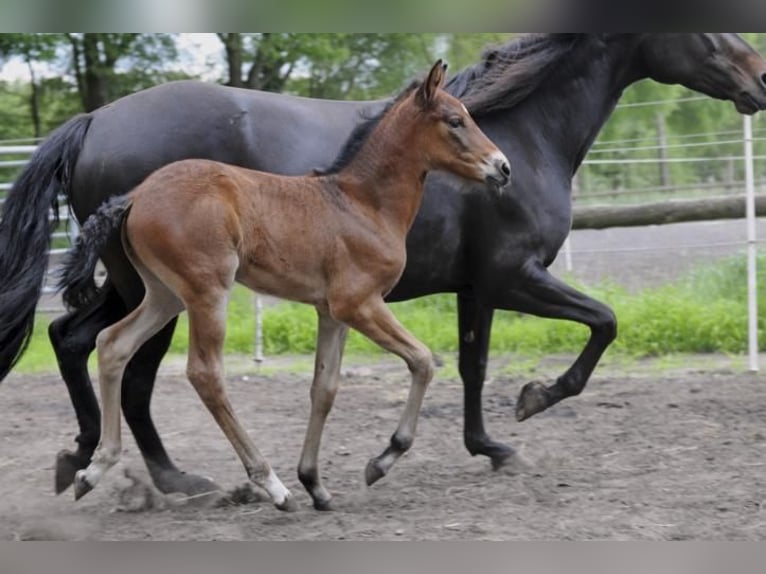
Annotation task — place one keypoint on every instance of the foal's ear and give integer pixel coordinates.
(432, 83)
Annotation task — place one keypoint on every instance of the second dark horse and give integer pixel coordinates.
(542, 99)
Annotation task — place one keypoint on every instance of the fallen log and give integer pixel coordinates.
(663, 212)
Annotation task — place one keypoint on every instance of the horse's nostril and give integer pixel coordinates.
(505, 168)
(763, 79)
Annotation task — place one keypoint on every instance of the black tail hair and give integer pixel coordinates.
(25, 234)
(76, 275)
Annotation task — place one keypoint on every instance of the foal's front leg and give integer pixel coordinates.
(331, 339)
(374, 320)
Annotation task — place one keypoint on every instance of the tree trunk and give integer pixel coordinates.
(95, 80)
(34, 99)
(232, 43)
(90, 72)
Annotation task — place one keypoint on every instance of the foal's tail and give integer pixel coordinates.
(76, 276)
(25, 234)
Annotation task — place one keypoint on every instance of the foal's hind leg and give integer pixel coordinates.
(207, 329)
(73, 337)
(377, 322)
(116, 345)
(331, 338)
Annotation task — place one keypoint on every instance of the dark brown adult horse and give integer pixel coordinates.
(337, 241)
(542, 99)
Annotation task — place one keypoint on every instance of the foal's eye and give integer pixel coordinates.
(456, 122)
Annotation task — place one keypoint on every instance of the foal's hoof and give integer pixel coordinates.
(67, 465)
(289, 505)
(373, 473)
(532, 399)
(81, 485)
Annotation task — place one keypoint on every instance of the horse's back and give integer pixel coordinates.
(135, 135)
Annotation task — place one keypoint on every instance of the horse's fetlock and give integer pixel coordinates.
(309, 477)
(402, 443)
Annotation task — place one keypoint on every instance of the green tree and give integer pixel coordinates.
(31, 48)
(325, 65)
(107, 66)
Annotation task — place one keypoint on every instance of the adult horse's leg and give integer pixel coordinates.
(116, 345)
(137, 387)
(376, 321)
(546, 296)
(73, 338)
(474, 327)
(331, 339)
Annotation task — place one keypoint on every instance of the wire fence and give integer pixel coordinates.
(632, 170)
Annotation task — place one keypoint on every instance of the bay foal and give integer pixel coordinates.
(335, 240)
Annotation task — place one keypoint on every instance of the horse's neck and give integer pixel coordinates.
(576, 111)
(387, 177)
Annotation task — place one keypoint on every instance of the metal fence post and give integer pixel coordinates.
(752, 295)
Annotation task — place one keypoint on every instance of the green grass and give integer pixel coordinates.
(705, 312)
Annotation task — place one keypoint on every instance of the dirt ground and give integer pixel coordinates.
(643, 453)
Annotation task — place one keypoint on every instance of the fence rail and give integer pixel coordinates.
(735, 205)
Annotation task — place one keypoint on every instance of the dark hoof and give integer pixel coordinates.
(501, 456)
(289, 505)
(512, 465)
(170, 480)
(67, 465)
(373, 473)
(81, 486)
(532, 400)
(324, 505)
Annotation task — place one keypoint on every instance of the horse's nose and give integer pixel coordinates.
(504, 168)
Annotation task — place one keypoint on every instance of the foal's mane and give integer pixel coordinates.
(362, 132)
(508, 74)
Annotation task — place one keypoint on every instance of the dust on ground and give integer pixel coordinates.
(644, 453)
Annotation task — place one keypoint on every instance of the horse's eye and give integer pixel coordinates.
(456, 122)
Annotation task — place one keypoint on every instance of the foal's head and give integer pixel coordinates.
(450, 139)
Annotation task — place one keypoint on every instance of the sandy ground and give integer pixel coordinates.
(644, 453)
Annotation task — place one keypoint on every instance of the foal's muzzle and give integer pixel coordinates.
(497, 170)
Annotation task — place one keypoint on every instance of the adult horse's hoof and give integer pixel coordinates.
(170, 480)
(81, 485)
(324, 505)
(532, 399)
(514, 463)
(289, 505)
(373, 473)
(67, 465)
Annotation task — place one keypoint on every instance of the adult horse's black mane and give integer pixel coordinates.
(508, 74)
(504, 76)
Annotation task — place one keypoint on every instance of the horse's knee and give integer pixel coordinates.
(606, 326)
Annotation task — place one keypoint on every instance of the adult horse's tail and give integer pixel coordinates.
(25, 234)
(76, 279)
